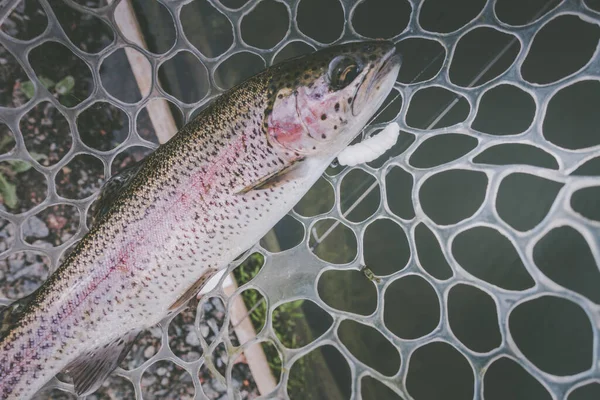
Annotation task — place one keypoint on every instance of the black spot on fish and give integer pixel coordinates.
(323, 136)
(323, 117)
(337, 107)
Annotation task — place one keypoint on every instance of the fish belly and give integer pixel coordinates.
(132, 285)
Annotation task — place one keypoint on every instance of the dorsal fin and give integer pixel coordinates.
(11, 314)
(90, 369)
(113, 187)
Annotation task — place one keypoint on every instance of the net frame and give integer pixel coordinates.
(274, 281)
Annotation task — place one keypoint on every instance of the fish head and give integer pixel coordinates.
(320, 102)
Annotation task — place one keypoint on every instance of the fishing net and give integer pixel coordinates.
(462, 264)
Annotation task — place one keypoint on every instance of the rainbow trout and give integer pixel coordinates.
(189, 209)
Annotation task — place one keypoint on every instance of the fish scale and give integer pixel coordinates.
(193, 206)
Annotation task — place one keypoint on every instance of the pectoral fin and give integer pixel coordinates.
(90, 369)
(275, 179)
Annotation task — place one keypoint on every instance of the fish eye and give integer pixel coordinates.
(342, 71)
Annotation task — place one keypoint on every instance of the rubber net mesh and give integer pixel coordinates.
(436, 228)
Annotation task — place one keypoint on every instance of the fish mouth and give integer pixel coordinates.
(377, 81)
(390, 61)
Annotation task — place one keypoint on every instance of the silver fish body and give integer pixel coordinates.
(191, 208)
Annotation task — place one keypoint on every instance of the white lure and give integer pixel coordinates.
(370, 149)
